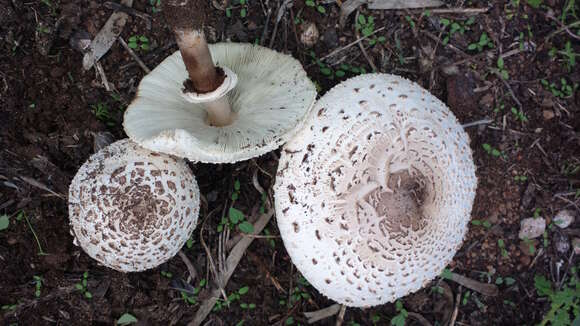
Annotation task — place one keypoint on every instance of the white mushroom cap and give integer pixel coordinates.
(132, 209)
(374, 194)
(272, 96)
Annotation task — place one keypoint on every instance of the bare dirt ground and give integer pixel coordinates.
(507, 63)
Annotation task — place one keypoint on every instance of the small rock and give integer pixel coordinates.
(309, 35)
(102, 139)
(564, 218)
(548, 114)
(561, 243)
(576, 246)
(531, 228)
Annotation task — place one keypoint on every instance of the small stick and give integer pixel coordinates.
(477, 123)
(483, 288)
(314, 316)
(456, 310)
(467, 11)
(355, 42)
(135, 57)
(187, 262)
(340, 317)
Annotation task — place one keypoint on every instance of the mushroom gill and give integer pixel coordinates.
(377, 188)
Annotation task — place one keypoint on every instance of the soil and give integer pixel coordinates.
(53, 114)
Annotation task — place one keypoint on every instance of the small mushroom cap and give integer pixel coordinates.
(272, 96)
(374, 195)
(132, 209)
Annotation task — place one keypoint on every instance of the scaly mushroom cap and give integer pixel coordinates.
(272, 96)
(132, 209)
(374, 194)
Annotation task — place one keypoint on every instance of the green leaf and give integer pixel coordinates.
(495, 152)
(362, 20)
(289, 321)
(243, 12)
(472, 46)
(235, 215)
(228, 12)
(476, 222)
(500, 63)
(126, 319)
(143, 39)
(486, 147)
(145, 47)
(244, 290)
(382, 39)
(88, 295)
(339, 73)
(237, 185)
(133, 39)
(4, 222)
(368, 30)
(132, 45)
(398, 320)
(321, 9)
(509, 281)
(499, 281)
(444, 21)
(543, 286)
(246, 227)
(244, 305)
(534, 3)
(310, 3)
(325, 71)
(446, 274)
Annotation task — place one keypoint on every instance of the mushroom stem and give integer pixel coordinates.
(219, 113)
(186, 18)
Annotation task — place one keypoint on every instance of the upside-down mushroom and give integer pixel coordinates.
(132, 209)
(249, 104)
(374, 194)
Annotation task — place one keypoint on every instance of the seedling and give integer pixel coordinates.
(366, 25)
(484, 41)
(491, 150)
(138, 42)
(465, 299)
(166, 274)
(563, 301)
(501, 69)
(4, 222)
(235, 216)
(399, 319)
(233, 297)
(485, 224)
(455, 27)
(191, 298)
(101, 111)
(299, 292)
(126, 319)
(317, 5)
(537, 212)
(564, 91)
(243, 5)
(155, 6)
(507, 281)
(37, 285)
(82, 286)
(520, 115)
(501, 245)
(520, 178)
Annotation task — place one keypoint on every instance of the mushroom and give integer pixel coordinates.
(132, 209)
(258, 103)
(373, 196)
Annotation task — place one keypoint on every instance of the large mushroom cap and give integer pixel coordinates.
(270, 100)
(132, 209)
(374, 195)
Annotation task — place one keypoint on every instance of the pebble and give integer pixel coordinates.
(564, 218)
(309, 35)
(548, 114)
(531, 228)
(576, 246)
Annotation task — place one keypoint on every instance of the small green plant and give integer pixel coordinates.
(486, 224)
(138, 42)
(519, 115)
(465, 298)
(101, 112)
(501, 69)
(455, 27)
(507, 281)
(569, 55)
(4, 222)
(166, 274)
(565, 90)
(191, 298)
(82, 286)
(570, 168)
(233, 297)
(317, 5)
(502, 248)
(243, 5)
(299, 292)
(235, 216)
(375, 318)
(8, 307)
(520, 178)
(37, 285)
(484, 41)
(401, 317)
(563, 301)
(366, 25)
(155, 6)
(126, 319)
(491, 150)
